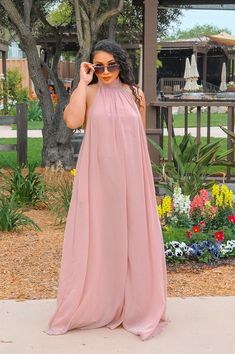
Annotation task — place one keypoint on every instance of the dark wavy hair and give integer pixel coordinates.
(126, 73)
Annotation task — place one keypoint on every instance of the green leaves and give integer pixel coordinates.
(61, 197)
(11, 216)
(26, 189)
(191, 163)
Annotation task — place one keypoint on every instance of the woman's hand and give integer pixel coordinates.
(86, 72)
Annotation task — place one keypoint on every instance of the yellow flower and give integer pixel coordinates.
(215, 190)
(159, 209)
(166, 205)
(223, 196)
(73, 171)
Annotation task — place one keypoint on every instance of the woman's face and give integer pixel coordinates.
(105, 62)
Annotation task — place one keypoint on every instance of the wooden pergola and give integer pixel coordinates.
(149, 54)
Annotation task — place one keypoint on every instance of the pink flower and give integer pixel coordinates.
(204, 195)
(219, 236)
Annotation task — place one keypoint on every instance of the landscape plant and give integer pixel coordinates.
(191, 163)
(25, 185)
(60, 197)
(206, 223)
(11, 215)
(12, 91)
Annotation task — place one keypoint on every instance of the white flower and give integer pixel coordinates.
(178, 252)
(174, 244)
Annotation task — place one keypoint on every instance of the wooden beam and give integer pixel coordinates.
(150, 70)
(8, 147)
(195, 2)
(187, 2)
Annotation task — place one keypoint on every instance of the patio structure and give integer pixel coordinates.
(210, 57)
(154, 128)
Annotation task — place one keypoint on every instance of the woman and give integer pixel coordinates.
(113, 267)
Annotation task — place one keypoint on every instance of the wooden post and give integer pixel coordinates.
(150, 75)
(198, 124)
(204, 74)
(185, 120)
(4, 72)
(229, 140)
(208, 125)
(21, 123)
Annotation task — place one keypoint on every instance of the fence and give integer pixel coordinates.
(164, 112)
(21, 124)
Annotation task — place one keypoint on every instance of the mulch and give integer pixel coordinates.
(30, 261)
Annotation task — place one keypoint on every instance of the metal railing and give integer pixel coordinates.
(171, 85)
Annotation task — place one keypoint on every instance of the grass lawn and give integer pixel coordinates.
(35, 146)
(31, 125)
(8, 159)
(216, 120)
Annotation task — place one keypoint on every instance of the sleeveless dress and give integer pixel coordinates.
(113, 268)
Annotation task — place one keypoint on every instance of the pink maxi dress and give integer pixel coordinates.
(113, 268)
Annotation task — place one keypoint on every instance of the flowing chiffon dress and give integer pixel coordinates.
(113, 268)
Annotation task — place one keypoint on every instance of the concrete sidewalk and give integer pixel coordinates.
(7, 132)
(198, 325)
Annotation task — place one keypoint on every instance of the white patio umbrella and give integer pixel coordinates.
(223, 85)
(187, 75)
(194, 74)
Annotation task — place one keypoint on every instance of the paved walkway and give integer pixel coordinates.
(199, 325)
(7, 132)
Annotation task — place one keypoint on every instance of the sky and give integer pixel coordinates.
(219, 18)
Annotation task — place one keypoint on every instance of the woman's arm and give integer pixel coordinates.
(75, 111)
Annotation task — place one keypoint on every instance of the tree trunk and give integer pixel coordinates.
(56, 136)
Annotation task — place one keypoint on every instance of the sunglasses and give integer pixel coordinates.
(99, 69)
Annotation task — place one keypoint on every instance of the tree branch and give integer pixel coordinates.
(77, 6)
(86, 26)
(103, 17)
(43, 19)
(15, 17)
(95, 9)
(27, 11)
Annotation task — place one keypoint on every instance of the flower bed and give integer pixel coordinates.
(202, 228)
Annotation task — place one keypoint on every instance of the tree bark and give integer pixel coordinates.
(56, 136)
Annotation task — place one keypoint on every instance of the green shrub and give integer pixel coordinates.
(34, 111)
(26, 189)
(191, 163)
(11, 216)
(11, 89)
(60, 200)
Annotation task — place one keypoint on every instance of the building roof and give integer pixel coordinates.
(194, 4)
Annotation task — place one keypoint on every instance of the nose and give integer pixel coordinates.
(106, 69)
